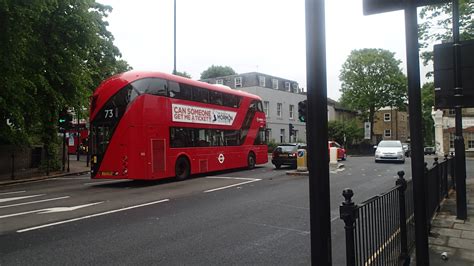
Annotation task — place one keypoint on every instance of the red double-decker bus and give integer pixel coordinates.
(150, 125)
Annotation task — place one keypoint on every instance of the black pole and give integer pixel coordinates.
(78, 135)
(64, 151)
(68, 162)
(13, 165)
(174, 69)
(417, 161)
(317, 133)
(88, 156)
(459, 149)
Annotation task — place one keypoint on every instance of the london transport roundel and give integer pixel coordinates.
(221, 158)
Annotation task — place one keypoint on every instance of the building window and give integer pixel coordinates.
(238, 82)
(266, 108)
(279, 106)
(387, 117)
(261, 81)
(451, 140)
(282, 135)
(287, 86)
(220, 81)
(388, 133)
(470, 140)
(295, 87)
(292, 109)
(452, 111)
(275, 84)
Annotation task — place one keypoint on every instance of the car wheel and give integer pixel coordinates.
(376, 161)
(182, 168)
(277, 166)
(251, 161)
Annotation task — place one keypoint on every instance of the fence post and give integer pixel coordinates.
(453, 167)
(402, 186)
(348, 213)
(437, 181)
(445, 176)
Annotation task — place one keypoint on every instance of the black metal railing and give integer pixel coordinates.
(381, 230)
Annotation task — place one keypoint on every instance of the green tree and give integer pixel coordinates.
(437, 25)
(183, 74)
(427, 101)
(337, 130)
(53, 54)
(372, 79)
(217, 71)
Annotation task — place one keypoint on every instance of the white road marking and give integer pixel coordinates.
(90, 216)
(249, 180)
(14, 192)
(19, 198)
(72, 178)
(32, 202)
(50, 210)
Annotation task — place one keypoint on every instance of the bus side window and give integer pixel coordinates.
(231, 100)
(180, 91)
(200, 95)
(157, 87)
(215, 97)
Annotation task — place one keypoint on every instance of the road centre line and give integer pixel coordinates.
(234, 185)
(19, 198)
(32, 202)
(106, 182)
(13, 192)
(90, 216)
(228, 177)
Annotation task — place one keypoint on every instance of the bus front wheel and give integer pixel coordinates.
(182, 168)
(251, 161)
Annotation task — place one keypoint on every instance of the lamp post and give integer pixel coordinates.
(174, 69)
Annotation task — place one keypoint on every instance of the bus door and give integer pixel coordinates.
(156, 163)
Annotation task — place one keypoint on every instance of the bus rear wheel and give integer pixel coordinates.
(251, 161)
(182, 168)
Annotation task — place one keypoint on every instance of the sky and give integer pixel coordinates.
(266, 36)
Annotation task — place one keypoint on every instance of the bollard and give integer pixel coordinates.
(333, 155)
(349, 213)
(301, 161)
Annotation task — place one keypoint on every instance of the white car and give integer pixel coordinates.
(389, 150)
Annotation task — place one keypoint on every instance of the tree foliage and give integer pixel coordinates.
(182, 74)
(337, 130)
(427, 102)
(372, 79)
(217, 71)
(437, 25)
(53, 54)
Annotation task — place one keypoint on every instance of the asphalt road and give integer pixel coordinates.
(259, 216)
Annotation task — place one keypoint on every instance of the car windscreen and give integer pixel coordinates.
(390, 144)
(286, 148)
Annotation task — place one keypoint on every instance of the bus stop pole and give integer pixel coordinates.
(459, 148)
(317, 135)
(417, 161)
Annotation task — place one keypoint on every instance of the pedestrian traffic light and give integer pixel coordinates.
(291, 129)
(64, 120)
(302, 111)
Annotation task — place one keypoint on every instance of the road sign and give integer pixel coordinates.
(444, 75)
(380, 6)
(367, 130)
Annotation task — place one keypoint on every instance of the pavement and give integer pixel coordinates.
(27, 175)
(453, 236)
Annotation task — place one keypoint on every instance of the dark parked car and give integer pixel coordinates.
(430, 150)
(285, 154)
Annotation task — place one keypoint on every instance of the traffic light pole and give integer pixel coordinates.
(317, 134)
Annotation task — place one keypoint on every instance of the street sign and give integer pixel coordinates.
(444, 75)
(367, 130)
(380, 6)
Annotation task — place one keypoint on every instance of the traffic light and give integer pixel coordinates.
(64, 120)
(302, 111)
(291, 129)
